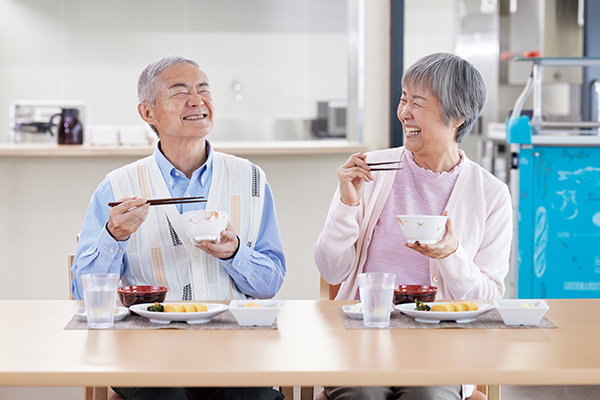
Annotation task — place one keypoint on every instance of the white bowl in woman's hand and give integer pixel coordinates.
(425, 229)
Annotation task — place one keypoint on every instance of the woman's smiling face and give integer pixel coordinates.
(424, 128)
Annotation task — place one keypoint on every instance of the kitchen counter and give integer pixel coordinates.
(236, 148)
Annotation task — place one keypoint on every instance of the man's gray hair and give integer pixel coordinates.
(457, 84)
(148, 82)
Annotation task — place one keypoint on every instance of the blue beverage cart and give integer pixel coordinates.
(555, 184)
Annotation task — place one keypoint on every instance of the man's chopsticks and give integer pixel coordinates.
(384, 163)
(162, 202)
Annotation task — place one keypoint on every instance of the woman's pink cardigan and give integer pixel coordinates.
(481, 212)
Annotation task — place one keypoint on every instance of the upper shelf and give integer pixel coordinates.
(562, 61)
(235, 148)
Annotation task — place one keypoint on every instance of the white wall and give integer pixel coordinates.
(429, 27)
(286, 54)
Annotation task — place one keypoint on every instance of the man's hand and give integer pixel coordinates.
(127, 217)
(225, 248)
(442, 249)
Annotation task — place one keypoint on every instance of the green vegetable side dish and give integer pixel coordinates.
(157, 307)
(422, 306)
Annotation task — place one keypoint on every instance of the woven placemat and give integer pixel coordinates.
(133, 321)
(489, 320)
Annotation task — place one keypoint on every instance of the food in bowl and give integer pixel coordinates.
(525, 305)
(412, 293)
(204, 225)
(139, 294)
(426, 229)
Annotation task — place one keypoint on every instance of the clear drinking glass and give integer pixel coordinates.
(100, 296)
(376, 294)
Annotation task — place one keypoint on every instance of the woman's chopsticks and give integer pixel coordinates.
(162, 202)
(384, 163)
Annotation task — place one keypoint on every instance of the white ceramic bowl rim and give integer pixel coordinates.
(422, 216)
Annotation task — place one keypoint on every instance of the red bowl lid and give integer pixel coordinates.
(420, 289)
(143, 289)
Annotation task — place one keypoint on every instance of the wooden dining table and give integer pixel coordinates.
(310, 347)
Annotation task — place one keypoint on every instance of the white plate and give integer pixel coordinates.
(123, 312)
(434, 317)
(189, 317)
(355, 314)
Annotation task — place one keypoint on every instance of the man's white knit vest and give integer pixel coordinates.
(160, 253)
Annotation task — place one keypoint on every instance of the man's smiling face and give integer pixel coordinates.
(184, 105)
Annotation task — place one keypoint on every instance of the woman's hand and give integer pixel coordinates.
(352, 178)
(442, 249)
(127, 217)
(225, 248)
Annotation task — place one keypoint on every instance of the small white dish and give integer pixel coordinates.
(433, 317)
(168, 317)
(123, 312)
(348, 309)
(351, 312)
(263, 315)
(521, 311)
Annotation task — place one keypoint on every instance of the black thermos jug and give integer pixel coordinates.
(70, 130)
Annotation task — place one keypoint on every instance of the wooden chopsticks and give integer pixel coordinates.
(384, 163)
(162, 202)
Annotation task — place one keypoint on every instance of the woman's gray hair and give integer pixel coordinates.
(455, 82)
(148, 86)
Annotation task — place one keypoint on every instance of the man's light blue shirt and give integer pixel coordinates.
(257, 272)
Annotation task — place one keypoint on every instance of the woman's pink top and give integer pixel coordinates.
(415, 191)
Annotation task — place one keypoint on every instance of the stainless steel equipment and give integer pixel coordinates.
(331, 119)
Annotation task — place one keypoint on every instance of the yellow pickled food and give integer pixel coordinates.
(442, 307)
(459, 307)
(174, 308)
(251, 304)
(471, 306)
(188, 308)
(453, 307)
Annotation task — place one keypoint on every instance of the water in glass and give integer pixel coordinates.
(376, 294)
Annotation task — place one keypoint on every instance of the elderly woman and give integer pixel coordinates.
(442, 97)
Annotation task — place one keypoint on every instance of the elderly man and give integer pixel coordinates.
(147, 245)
